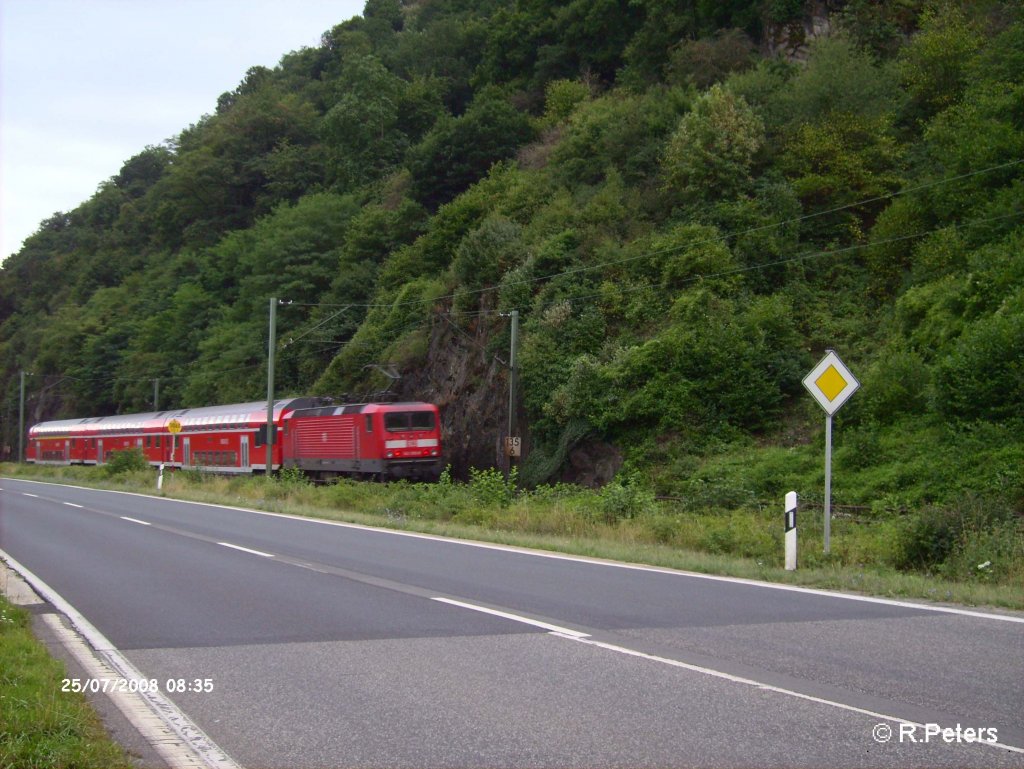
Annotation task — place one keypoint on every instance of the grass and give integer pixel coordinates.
(874, 555)
(42, 727)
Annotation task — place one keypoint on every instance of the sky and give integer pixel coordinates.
(87, 84)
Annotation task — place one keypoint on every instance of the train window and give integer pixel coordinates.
(400, 421)
(369, 423)
(261, 435)
(157, 444)
(421, 420)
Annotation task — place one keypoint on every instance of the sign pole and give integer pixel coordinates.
(828, 483)
(174, 427)
(831, 383)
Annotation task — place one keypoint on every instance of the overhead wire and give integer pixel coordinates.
(724, 237)
(779, 262)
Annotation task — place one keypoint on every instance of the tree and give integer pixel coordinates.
(983, 377)
(934, 65)
(459, 151)
(707, 61)
(487, 253)
(712, 153)
(839, 77)
(361, 127)
(836, 162)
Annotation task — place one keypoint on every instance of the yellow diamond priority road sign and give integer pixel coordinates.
(831, 383)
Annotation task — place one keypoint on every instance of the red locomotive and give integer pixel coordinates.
(379, 440)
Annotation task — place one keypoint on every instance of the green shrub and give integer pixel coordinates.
(625, 497)
(490, 488)
(983, 378)
(927, 538)
(127, 461)
(993, 553)
(292, 476)
(948, 538)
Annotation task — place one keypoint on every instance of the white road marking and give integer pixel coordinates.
(72, 504)
(759, 685)
(171, 733)
(26, 494)
(246, 550)
(135, 520)
(562, 631)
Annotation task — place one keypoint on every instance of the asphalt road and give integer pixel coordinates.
(329, 645)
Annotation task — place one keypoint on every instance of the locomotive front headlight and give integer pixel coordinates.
(433, 453)
(391, 454)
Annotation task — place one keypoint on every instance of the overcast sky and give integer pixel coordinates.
(87, 84)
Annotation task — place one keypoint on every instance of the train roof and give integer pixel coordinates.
(363, 408)
(206, 417)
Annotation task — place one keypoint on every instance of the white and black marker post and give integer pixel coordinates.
(791, 531)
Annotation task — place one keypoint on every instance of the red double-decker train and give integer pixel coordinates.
(378, 440)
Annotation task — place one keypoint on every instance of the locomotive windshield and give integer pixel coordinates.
(404, 421)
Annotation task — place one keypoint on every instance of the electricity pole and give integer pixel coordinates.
(513, 443)
(21, 417)
(270, 385)
(512, 372)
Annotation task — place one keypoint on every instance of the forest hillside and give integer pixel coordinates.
(686, 203)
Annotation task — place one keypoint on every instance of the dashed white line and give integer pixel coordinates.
(135, 520)
(247, 550)
(574, 634)
(26, 494)
(72, 504)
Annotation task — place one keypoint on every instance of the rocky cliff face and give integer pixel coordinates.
(792, 40)
(470, 385)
